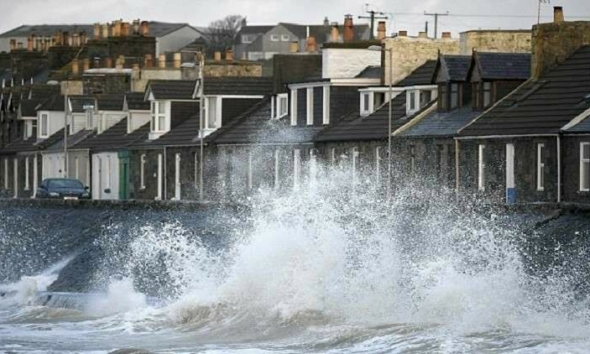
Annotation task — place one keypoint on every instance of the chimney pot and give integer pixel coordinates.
(30, 44)
(108, 62)
(558, 14)
(105, 31)
(145, 28)
(402, 33)
(294, 47)
(422, 35)
(381, 30)
(149, 61)
(177, 60)
(229, 55)
(124, 29)
(335, 34)
(162, 61)
(348, 29)
(311, 44)
(446, 35)
(59, 39)
(96, 31)
(217, 56)
(83, 38)
(75, 67)
(136, 26)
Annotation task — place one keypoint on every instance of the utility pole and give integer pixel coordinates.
(436, 14)
(426, 28)
(372, 16)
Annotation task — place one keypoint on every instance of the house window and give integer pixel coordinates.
(158, 123)
(282, 105)
(27, 173)
(425, 98)
(365, 104)
(481, 168)
(443, 100)
(177, 177)
(159, 177)
(108, 173)
(310, 106)
(142, 172)
(285, 37)
(540, 167)
(326, 107)
(89, 120)
(294, 107)
(44, 126)
(274, 37)
(412, 101)
(212, 107)
(487, 94)
(248, 38)
(454, 96)
(585, 167)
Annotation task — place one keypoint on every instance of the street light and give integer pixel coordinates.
(390, 50)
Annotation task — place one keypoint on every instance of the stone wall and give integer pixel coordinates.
(502, 41)
(555, 42)
(343, 63)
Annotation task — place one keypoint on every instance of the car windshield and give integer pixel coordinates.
(65, 183)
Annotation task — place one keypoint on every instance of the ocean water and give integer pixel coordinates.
(322, 269)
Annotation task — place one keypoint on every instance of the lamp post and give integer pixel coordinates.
(201, 120)
(390, 50)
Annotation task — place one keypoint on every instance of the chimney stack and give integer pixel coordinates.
(124, 29)
(75, 67)
(312, 46)
(75, 40)
(348, 29)
(381, 30)
(217, 56)
(177, 60)
(229, 55)
(35, 40)
(294, 47)
(402, 33)
(30, 43)
(136, 27)
(66, 39)
(85, 65)
(120, 63)
(59, 38)
(422, 35)
(446, 35)
(108, 62)
(83, 38)
(145, 28)
(335, 33)
(558, 14)
(105, 31)
(162, 61)
(97, 31)
(149, 61)
(117, 28)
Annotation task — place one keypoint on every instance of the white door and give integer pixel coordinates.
(510, 183)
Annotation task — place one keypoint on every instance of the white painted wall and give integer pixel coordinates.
(107, 119)
(78, 122)
(53, 165)
(176, 40)
(55, 122)
(343, 63)
(105, 176)
(78, 163)
(137, 119)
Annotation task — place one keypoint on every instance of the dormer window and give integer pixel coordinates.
(44, 123)
(160, 123)
(279, 106)
(454, 96)
(487, 94)
(213, 112)
(366, 106)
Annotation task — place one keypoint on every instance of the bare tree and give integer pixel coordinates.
(221, 33)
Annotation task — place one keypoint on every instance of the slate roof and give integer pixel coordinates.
(322, 33)
(28, 107)
(184, 134)
(31, 144)
(44, 91)
(78, 102)
(110, 102)
(73, 140)
(238, 86)
(54, 103)
(371, 72)
(372, 127)
(114, 138)
(441, 124)
(423, 75)
(540, 106)
(503, 66)
(136, 101)
(456, 66)
(47, 30)
(172, 89)
(582, 127)
(160, 29)
(256, 126)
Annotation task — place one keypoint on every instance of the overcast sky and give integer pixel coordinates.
(406, 15)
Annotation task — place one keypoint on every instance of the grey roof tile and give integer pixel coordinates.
(439, 124)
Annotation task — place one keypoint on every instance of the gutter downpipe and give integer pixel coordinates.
(559, 168)
(165, 173)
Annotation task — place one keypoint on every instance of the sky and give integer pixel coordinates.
(403, 15)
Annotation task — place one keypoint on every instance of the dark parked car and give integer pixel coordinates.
(62, 188)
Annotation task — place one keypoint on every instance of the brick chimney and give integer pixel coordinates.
(554, 42)
(402, 33)
(446, 35)
(34, 38)
(149, 61)
(30, 43)
(105, 31)
(83, 38)
(293, 47)
(75, 40)
(558, 14)
(124, 29)
(422, 35)
(348, 29)
(229, 55)
(108, 62)
(59, 39)
(145, 28)
(217, 56)
(312, 46)
(75, 67)
(136, 27)
(381, 30)
(85, 64)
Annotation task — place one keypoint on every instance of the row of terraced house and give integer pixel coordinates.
(503, 114)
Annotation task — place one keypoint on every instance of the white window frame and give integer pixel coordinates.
(108, 172)
(218, 106)
(247, 38)
(159, 177)
(27, 173)
(44, 125)
(309, 105)
(584, 168)
(156, 115)
(275, 37)
(365, 104)
(294, 107)
(142, 161)
(89, 119)
(486, 88)
(285, 38)
(282, 98)
(326, 108)
(177, 186)
(481, 168)
(540, 167)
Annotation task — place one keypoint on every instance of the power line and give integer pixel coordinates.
(486, 16)
(436, 14)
